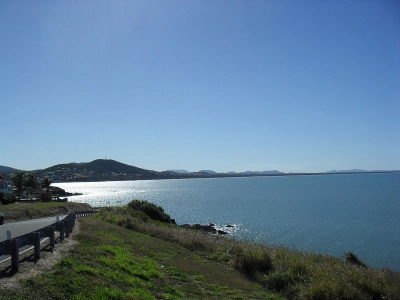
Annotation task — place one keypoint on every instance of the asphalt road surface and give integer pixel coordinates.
(21, 228)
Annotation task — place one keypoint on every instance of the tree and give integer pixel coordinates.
(31, 181)
(18, 181)
(46, 182)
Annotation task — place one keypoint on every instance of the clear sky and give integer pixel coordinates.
(296, 86)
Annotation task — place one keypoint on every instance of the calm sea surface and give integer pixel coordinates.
(328, 214)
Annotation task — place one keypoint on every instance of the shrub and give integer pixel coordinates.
(7, 198)
(353, 259)
(153, 211)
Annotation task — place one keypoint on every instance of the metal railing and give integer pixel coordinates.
(12, 248)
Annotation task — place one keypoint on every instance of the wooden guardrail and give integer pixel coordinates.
(12, 248)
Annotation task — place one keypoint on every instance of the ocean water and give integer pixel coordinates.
(327, 214)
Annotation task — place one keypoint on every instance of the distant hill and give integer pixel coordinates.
(99, 169)
(6, 170)
(179, 171)
(56, 167)
(211, 172)
(348, 171)
(207, 171)
(261, 172)
(112, 166)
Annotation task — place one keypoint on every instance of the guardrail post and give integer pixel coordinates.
(15, 255)
(31, 238)
(71, 225)
(8, 243)
(8, 247)
(51, 234)
(36, 239)
(66, 225)
(61, 231)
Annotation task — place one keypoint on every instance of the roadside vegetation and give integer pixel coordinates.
(19, 211)
(137, 252)
(31, 184)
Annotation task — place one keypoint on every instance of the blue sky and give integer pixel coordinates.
(296, 86)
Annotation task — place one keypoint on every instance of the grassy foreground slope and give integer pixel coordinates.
(124, 254)
(112, 262)
(289, 274)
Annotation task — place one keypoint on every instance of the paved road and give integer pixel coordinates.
(24, 227)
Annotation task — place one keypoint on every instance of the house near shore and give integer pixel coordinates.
(5, 185)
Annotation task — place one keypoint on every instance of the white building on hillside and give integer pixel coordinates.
(5, 185)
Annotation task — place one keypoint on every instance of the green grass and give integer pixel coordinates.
(111, 262)
(121, 255)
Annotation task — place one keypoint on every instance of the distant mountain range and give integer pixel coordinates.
(228, 173)
(258, 172)
(107, 169)
(207, 171)
(348, 171)
(179, 171)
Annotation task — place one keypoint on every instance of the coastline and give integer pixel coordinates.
(217, 175)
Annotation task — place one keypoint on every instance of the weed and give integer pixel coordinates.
(252, 260)
(66, 262)
(139, 293)
(85, 270)
(175, 273)
(105, 293)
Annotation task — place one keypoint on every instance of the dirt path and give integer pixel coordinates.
(29, 266)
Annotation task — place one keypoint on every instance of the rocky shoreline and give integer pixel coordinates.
(61, 192)
(210, 228)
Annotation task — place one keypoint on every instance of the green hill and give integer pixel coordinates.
(101, 170)
(112, 166)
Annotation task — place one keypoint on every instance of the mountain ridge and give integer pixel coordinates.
(111, 170)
